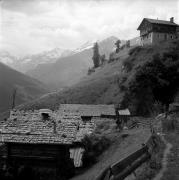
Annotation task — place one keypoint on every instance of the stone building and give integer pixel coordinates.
(153, 31)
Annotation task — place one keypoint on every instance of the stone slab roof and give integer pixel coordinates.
(30, 127)
(64, 126)
(88, 110)
(35, 139)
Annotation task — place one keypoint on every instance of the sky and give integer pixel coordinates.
(33, 26)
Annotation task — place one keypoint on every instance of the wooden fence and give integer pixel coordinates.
(123, 168)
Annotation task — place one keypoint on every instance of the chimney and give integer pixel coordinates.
(172, 19)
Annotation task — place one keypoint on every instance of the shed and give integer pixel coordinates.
(124, 115)
(124, 112)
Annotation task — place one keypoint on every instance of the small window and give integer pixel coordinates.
(158, 35)
(171, 37)
(86, 118)
(45, 116)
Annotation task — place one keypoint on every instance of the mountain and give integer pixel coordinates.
(32, 61)
(7, 58)
(27, 88)
(67, 71)
(29, 62)
(110, 83)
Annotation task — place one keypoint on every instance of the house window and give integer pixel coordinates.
(171, 37)
(158, 35)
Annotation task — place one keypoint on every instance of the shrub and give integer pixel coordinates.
(170, 123)
(134, 50)
(155, 80)
(90, 71)
(94, 146)
(128, 65)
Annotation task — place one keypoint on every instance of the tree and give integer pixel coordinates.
(118, 43)
(155, 81)
(96, 55)
(128, 43)
(103, 59)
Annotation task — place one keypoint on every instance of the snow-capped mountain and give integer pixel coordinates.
(68, 70)
(32, 61)
(7, 58)
(29, 62)
(86, 45)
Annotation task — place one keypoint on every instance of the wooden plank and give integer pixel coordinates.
(129, 169)
(121, 165)
(103, 174)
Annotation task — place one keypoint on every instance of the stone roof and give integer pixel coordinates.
(88, 110)
(64, 126)
(30, 127)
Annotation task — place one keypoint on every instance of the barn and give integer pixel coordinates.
(48, 142)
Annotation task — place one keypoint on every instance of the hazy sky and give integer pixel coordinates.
(32, 26)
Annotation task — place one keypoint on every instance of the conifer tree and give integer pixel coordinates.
(96, 55)
(118, 43)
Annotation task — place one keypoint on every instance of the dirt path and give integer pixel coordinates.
(164, 160)
(118, 150)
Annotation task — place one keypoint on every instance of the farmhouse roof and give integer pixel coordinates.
(64, 126)
(88, 110)
(156, 21)
(30, 127)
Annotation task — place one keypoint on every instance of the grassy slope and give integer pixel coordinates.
(119, 148)
(67, 71)
(99, 87)
(103, 86)
(173, 158)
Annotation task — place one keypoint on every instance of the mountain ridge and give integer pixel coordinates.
(67, 71)
(27, 88)
(109, 84)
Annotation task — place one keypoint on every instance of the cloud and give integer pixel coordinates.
(31, 26)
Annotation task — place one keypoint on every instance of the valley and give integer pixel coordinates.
(26, 88)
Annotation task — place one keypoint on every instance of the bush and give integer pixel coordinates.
(154, 81)
(134, 50)
(170, 124)
(128, 65)
(90, 71)
(94, 146)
